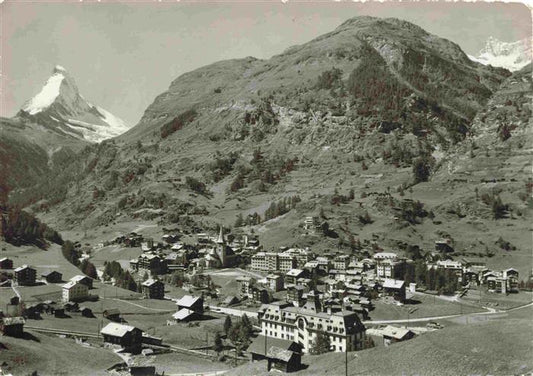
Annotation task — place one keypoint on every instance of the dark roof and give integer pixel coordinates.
(50, 272)
(277, 353)
(258, 345)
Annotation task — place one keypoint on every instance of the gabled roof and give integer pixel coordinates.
(393, 283)
(277, 353)
(20, 268)
(13, 320)
(258, 345)
(71, 284)
(117, 330)
(394, 332)
(182, 314)
(50, 272)
(150, 282)
(79, 278)
(188, 300)
(294, 272)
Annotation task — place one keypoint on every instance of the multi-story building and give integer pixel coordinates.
(390, 268)
(295, 295)
(311, 224)
(300, 324)
(455, 266)
(292, 276)
(341, 262)
(151, 262)
(75, 292)
(274, 282)
(25, 275)
(153, 289)
(286, 262)
(245, 286)
(271, 261)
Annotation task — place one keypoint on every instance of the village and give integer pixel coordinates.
(228, 300)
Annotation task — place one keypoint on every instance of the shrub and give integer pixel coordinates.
(178, 122)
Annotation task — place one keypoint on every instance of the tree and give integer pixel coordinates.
(245, 322)
(239, 221)
(219, 346)
(321, 344)
(421, 169)
(89, 269)
(227, 324)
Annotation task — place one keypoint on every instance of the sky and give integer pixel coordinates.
(123, 54)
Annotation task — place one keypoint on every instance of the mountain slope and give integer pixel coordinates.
(509, 55)
(29, 152)
(60, 106)
(353, 123)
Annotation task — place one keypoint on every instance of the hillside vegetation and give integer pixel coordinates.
(355, 123)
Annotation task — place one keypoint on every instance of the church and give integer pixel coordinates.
(221, 255)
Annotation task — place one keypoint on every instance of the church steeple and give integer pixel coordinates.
(220, 239)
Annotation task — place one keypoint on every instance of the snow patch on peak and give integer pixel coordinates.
(46, 96)
(510, 55)
(118, 125)
(59, 68)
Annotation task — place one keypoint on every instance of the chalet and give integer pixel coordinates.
(83, 279)
(86, 312)
(186, 315)
(52, 276)
(230, 300)
(6, 263)
(147, 245)
(59, 312)
(153, 289)
(392, 334)
(283, 355)
(112, 314)
(128, 337)
(470, 277)
(193, 303)
(444, 245)
(151, 262)
(75, 292)
(142, 370)
(25, 275)
(12, 326)
(71, 306)
(394, 287)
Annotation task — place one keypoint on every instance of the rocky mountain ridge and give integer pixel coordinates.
(60, 107)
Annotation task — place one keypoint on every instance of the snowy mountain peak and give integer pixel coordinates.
(510, 55)
(47, 95)
(60, 107)
(59, 68)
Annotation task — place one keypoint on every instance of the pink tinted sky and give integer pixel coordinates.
(123, 54)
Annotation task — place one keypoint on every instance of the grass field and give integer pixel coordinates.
(176, 363)
(496, 300)
(50, 355)
(428, 306)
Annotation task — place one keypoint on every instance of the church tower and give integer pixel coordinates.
(221, 247)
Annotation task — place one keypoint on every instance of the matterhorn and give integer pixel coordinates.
(60, 107)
